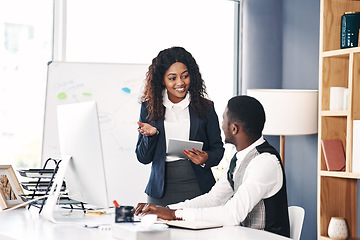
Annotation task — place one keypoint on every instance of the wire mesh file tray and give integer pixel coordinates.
(40, 185)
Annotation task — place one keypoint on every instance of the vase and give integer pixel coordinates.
(337, 228)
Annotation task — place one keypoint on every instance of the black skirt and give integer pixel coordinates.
(180, 183)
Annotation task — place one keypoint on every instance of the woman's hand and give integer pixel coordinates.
(161, 212)
(146, 129)
(196, 156)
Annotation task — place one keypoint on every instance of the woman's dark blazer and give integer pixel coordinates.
(153, 149)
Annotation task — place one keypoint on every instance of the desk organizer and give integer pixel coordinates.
(40, 185)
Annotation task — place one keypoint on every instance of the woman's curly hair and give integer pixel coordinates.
(154, 83)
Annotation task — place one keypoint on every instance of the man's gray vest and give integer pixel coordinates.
(270, 214)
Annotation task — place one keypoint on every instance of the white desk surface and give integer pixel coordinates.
(26, 224)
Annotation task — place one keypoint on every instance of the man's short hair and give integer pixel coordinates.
(248, 112)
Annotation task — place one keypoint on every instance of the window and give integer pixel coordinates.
(101, 31)
(25, 49)
(135, 31)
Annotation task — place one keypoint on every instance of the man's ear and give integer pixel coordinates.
(235, 127)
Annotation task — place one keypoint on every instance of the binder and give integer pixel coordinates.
(334, 154)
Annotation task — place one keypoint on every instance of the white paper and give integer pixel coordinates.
(356, 147)
(337, 96)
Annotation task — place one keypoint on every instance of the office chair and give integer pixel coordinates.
(296, 218)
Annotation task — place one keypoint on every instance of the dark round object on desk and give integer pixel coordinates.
(124, 214)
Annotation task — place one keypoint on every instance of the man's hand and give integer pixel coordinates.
(161, 212)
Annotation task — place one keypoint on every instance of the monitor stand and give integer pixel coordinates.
(49, 212)
(54, 194)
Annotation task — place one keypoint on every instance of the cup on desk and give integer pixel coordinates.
(338, 98)
(124, 214)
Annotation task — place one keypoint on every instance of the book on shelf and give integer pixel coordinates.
(334, 154)
(356, 147)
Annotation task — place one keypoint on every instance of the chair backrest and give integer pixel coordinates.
(296, 218)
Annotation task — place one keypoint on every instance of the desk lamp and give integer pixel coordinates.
(288, 112)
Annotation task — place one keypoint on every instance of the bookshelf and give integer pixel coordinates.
(337, 191)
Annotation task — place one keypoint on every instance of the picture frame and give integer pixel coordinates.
(10, 188)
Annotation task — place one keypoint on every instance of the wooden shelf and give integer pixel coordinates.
(327, 238)
(337, 191)
(340, 174)
(343, 113)
(340, 52)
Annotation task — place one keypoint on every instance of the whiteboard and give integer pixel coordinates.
(116, 88)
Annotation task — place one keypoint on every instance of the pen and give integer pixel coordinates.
(100, 227)
(116, 204)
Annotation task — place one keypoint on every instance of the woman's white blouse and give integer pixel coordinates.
(177, 120)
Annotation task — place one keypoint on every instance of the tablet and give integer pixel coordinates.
(177, 146)
(195, 225)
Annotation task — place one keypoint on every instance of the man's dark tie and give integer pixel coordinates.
(230, 173)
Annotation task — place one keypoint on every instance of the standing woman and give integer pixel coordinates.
(173, 105)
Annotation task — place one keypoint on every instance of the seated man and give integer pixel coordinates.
(253, 192)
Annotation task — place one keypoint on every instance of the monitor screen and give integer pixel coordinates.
(80, 138)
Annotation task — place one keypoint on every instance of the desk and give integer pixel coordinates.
(26, 224)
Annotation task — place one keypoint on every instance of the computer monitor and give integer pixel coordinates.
(82, 163)
(80, 138)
